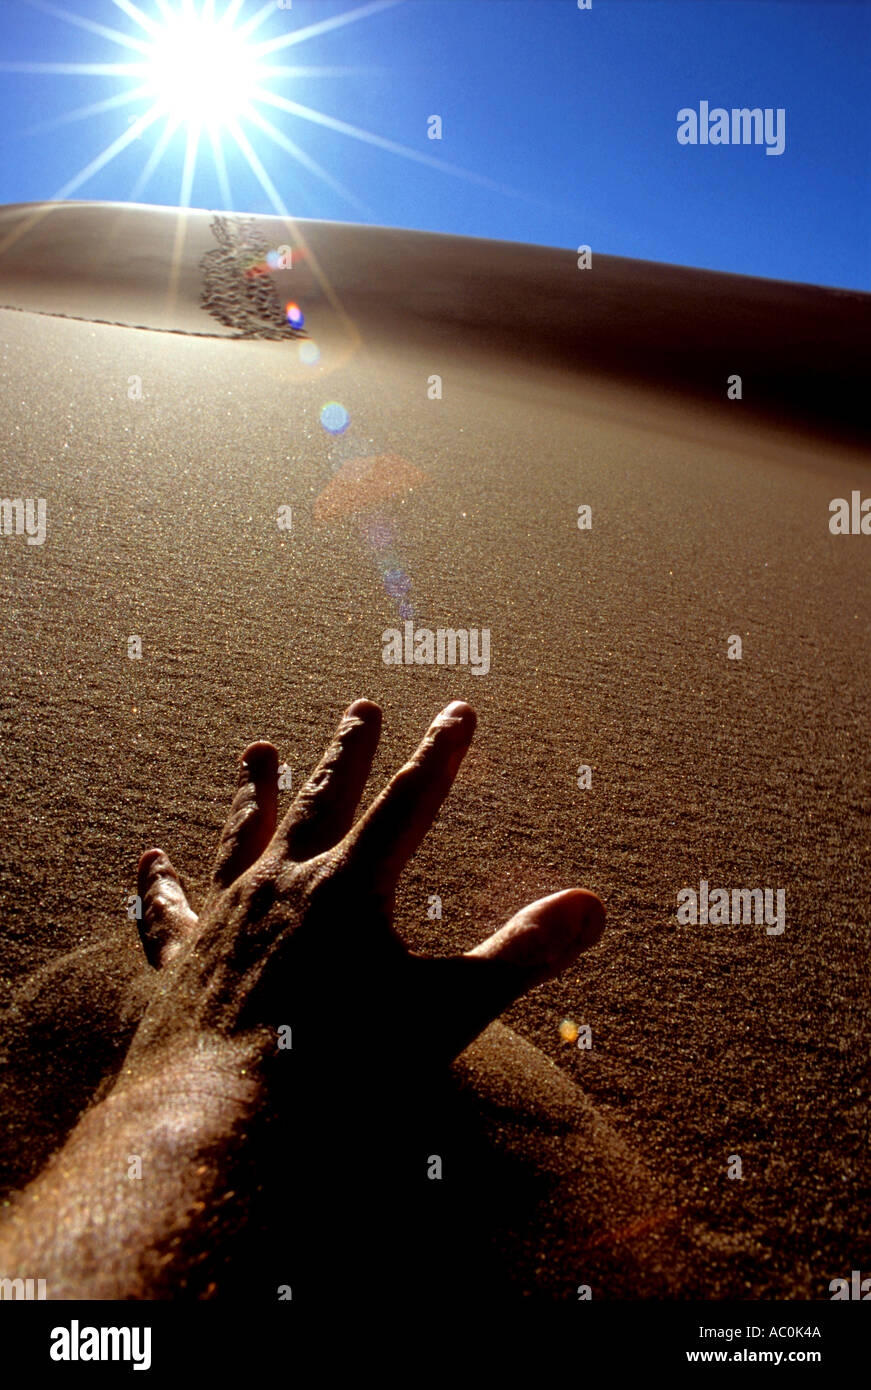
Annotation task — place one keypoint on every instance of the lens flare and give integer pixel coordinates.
(365, 486)
(309, 353)
(335, 418)
(294, 315)
(397, 583)
(379, 535)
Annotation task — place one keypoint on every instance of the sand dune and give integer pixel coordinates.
(800, 349)
(559, 388)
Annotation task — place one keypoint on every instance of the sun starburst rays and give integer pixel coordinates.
(306, 160)
(202, 67)
(323, 26)
(116, 36)
(95, 108)
(106, 156)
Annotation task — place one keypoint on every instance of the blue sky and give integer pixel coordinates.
(565, 119)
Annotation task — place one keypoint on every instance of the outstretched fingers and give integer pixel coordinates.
(251, 822)
(167, 921)
(385, 838)
(324, 808)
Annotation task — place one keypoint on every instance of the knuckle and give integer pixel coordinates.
(409, 774)
(239, 818)
(317, 784)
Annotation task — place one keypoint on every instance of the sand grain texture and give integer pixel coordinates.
(710, 518)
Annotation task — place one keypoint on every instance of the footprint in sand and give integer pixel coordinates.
(237, 288)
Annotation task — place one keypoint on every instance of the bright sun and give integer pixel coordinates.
(200, 72)
(206, 77)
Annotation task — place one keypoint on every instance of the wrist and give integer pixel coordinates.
(210, 1074)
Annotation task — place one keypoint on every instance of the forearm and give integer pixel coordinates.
(143, 1191)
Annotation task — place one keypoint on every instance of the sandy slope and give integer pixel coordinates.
(710, 518)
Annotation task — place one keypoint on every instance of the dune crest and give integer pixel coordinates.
(679, 329)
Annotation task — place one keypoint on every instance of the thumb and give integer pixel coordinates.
(545, 937)
(467, 992)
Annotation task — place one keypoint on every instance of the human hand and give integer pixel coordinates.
(259, 1170)
(297, 930)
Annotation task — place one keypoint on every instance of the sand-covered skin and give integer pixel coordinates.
(609, 648)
